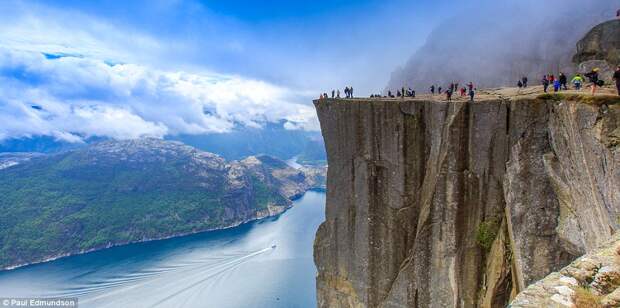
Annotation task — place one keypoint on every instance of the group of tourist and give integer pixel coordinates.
(468, 89)
(348, 92)
(559, 83)
(399, 93)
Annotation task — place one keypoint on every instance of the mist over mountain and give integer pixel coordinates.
(273, 139)
(495, 43)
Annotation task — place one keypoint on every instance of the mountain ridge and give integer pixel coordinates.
(117, 192)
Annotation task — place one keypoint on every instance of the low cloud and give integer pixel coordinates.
(73, 85)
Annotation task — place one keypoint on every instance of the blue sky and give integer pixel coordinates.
(127, 69)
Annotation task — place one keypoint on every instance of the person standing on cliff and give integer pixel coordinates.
(351, 91)
(524, 81)
(617, 75)
(563, 81)
(470, 86)
(545, 83)
(577, 82)
(472, 93)
(439, 90)
(338, 93)
(449, 95)
(520, 84)
(593, 76)
(433, 90)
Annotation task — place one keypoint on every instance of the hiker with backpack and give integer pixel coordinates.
(577, 82)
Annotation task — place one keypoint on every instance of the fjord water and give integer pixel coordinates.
(267, 263)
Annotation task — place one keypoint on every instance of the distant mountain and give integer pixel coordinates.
(11, 159)
(117, 192)
(40, 144)
(273, 140)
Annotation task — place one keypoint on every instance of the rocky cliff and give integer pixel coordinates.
(437, 204)
(497, 42)
(600, 48)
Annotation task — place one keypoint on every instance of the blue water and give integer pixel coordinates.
(237, 267)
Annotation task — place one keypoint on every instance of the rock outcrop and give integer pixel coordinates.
(492, 48)
(593, 279)
(460, 204)
(600, 48)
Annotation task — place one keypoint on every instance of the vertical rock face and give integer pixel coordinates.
(436, 204)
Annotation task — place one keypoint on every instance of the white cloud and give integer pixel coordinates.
(72, 76)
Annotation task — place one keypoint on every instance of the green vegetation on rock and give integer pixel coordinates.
(486, 233)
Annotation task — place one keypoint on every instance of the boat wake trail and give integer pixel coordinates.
(161, 284)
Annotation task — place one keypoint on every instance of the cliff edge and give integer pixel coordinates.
(461, 204)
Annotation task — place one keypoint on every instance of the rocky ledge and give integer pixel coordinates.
(591, 281)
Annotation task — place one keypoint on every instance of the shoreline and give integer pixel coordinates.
(237, 224)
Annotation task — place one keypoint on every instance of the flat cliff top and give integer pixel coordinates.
(604, 95)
